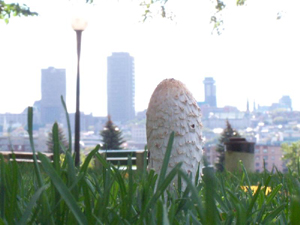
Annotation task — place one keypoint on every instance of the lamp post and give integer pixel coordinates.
(78, 24)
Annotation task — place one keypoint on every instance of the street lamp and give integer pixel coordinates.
(78, 24)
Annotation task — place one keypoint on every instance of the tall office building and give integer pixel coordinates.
(53, 86)
(120, 87)
(210, 91)
(286, 101)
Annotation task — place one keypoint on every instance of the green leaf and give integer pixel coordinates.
(253, 200)
(165, 216)
(56, 149)
(88, 159)
(273, 193)
(165, 164)
(2, 186)
(63, 190)
(194, 197)
(274, 214)
(68, 122)
(31, 204)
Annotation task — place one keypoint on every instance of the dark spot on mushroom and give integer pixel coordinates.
(193, 126)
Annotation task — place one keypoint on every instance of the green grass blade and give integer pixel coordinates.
(212, 216)
(159, 212)
(56, 149)
(273, 193)
(14, 191)
(87, 203)
(88, 159)
(295, 206)
(130, 188)
(31, 204)
(194, 196)
(165, 216)
(165, 164)
(253, 200)
(2, 187)
(276, 212)
(194, 219)
(166, 182)
(197, 175)
(63, 190)
(68, 122)
(36, 166)
(35, 163)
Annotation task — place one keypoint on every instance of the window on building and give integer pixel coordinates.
(257, 158)
(257, 164)
(265, 150)
(265, 157)
(257, 150)
(272, 150)
(272, 157)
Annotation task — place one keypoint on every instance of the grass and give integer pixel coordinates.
(59, 193)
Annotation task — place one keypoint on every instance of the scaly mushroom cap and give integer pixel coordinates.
(173, 108)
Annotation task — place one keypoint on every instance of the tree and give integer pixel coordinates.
(149, 7)
(14, 9)
(291, 154)
(111, 136)
(227, 133)
(62, 140)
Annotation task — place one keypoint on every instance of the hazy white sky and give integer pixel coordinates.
(256, 57)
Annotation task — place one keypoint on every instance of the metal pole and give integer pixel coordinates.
(77, 114)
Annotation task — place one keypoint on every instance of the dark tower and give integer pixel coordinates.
(210, 91)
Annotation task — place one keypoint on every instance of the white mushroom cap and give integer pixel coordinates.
(173, 108)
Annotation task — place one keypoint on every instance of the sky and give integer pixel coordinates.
(256, 57)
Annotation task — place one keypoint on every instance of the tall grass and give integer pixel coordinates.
(57, 192)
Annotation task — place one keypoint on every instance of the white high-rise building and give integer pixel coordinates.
(120, 87)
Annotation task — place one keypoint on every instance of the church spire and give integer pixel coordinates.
(248, 106)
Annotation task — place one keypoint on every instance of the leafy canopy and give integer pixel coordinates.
(291, 154)
(14, 9)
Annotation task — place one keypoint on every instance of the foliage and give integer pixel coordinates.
(227, 133)
(291, 154)
(151, 8)
(111, 136)
(62, 139)
(14, 9)
(60, 193)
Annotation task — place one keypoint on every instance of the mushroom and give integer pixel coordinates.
(173, 108)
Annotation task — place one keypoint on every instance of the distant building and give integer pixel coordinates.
(286, 101)
(138, 133)
(53, 86)
(120, 87)
(264, 155)
(210, 91)
(268, 156)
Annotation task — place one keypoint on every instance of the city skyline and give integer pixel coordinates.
(255, 58)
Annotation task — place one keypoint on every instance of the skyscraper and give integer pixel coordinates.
(210, 91)
(120, 87)
(286, 101)
(53, 86)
